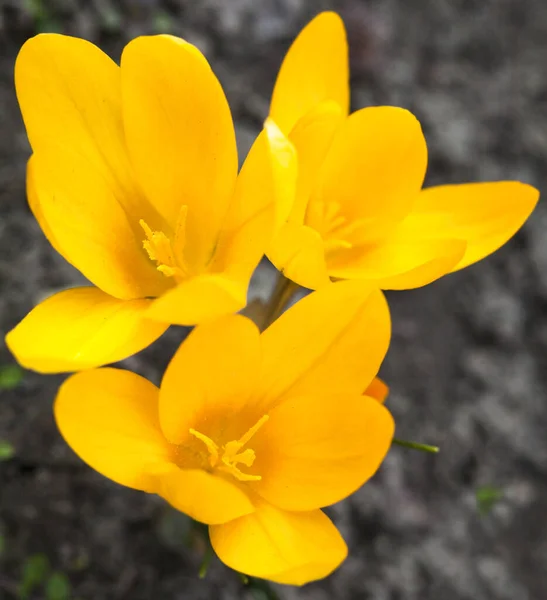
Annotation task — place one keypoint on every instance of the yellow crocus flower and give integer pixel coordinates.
(133, 179)
(250, 433)
(360, 211)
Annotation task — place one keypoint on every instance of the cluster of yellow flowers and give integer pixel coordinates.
(134, 180)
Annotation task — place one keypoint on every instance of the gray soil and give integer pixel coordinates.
(467, 367)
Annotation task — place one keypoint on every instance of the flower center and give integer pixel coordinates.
(168, 254)
(336, 229)
(228, 457)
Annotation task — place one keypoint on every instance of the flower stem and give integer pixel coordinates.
(416, 446)
(204, 567)
(283, 292)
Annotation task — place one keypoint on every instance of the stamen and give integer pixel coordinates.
(147, 245)
(331, 245)
(158, 248)
(211, 446)
(330, 210)
(233, 470)
(231, 455)
(167, 271)
(337, 222)
(327, 218)
(349, 229)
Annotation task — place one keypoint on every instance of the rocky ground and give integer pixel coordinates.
(468, 364)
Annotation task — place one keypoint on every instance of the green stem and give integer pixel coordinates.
(283, 292)
(206, 562)
(416, 446)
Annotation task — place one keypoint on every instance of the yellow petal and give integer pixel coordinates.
(312, 137)
(69, 93)
(34, 204)
(202, 496)
(285, 547)
(334, 340)
(317, 450)
(263, 198)
(80, 329)
(298, 252)
(485, 215)
(315, 69)
(81, 184)
(180, 136)
(213, 370)
(83, 219)
(374, 169)
(199, 299)
(410, 257)
(378, 389)
(284, 170)
(109, 418)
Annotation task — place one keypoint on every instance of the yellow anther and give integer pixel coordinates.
(167, 271)
(331, 245)
(233, 470)
(331, 212)
(211, 446)
(338, 232)
(158, 248)
(337, 223)
(231, 455)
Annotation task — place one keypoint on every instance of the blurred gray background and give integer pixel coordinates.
(467, 367)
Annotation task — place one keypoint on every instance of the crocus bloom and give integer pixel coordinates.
(360, 211)
(133, 179)
(250, 433)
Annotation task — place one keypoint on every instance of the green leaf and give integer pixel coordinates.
(10, 376)
(7, 451)
(416, 446)
(58, 587)
(35, 570)
(487, 497)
